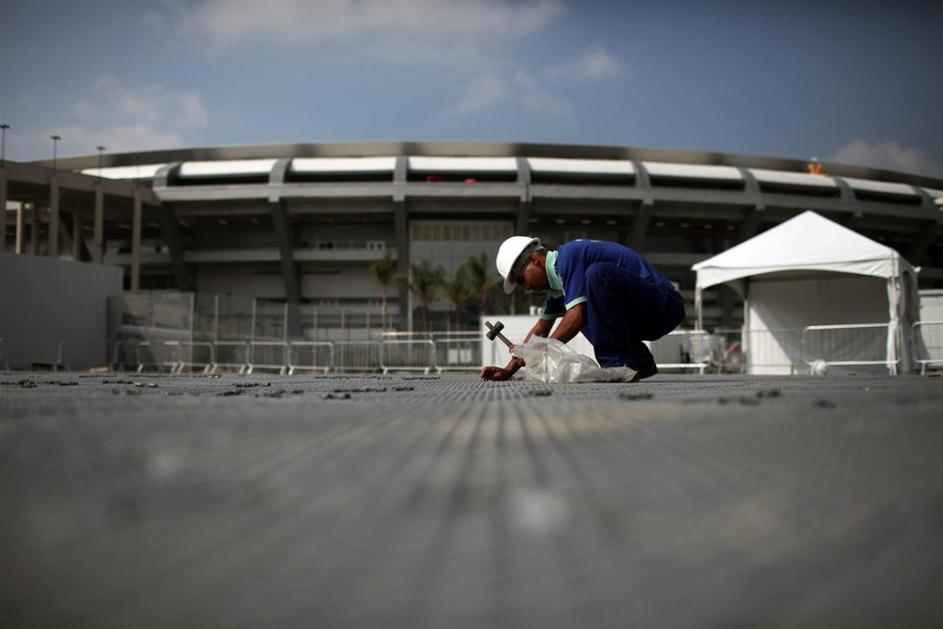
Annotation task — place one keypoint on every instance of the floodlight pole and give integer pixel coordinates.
(3, 143)
(98, 237)
(3, 185)
(53, 236)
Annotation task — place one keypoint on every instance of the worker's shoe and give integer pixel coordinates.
(645, 371)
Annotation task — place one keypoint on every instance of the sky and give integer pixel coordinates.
(854, 82)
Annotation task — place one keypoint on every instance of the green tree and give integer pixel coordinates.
(480, 283)
(384, 272)
(424, 282)
(456, 291)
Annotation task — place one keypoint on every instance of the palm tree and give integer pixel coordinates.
(424, 282)
(456, 291)
(384, 272)
(479, 280)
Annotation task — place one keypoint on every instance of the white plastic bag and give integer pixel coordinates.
(550, 361)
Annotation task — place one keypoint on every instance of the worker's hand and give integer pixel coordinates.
(492, 372)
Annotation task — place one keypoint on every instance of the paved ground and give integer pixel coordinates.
(157, 501)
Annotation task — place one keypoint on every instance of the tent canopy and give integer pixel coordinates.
(807, 242)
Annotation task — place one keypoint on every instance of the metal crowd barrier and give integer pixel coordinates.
(928, 344)
(196, 355)
(407, 355)
(158, 354)
(268, 355)
(310, 356)
(846, 344)
(457, 351)
(683, 349)
(30, 353)
(124, 355)
(357, 356)
(231, 355)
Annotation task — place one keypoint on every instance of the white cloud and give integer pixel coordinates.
(887, 155)
(537, 99)
(445, 32)
(118, 139)
(596, 64)
(124, 118)
(480, 93)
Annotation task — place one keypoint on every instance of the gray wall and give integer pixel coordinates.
(44, 300)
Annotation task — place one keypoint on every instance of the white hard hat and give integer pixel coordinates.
(509, 254)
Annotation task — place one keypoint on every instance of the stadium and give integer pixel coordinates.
(277, 242)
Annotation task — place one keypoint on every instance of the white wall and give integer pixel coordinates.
(515, 329)
(44, 300)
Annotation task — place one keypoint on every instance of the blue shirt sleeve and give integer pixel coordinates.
(573, 272)
(553, 308)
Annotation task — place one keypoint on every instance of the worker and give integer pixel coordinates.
(605, 290)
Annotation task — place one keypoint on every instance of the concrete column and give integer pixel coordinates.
(34, 232)
(3, 209)
(53, 246)
(401, 231)
(77, 235)
(136, 242)
(99, 239)
(19, 228)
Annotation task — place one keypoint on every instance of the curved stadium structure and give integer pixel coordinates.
(303, 222)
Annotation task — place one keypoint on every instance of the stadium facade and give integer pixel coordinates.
(302, 223)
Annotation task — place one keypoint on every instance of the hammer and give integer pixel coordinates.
(495, 331)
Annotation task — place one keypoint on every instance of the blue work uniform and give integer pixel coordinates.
(627, 300)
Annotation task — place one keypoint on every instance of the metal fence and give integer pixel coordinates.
(928, 344)
(846, 345)
(772, 351)
(684, 349)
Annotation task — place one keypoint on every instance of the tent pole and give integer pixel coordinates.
(699, 307)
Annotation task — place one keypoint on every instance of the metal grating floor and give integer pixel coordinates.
(443, 502)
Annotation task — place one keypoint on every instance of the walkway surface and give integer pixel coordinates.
(444, 502)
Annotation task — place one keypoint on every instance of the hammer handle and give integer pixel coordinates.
(503, 338)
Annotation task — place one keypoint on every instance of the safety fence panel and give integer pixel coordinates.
(772, 350)
(407, 355)
(196, 356)
(457, 351)
(124, 354)
(357, 355)
(848, 344)
(158, 356)
(231, 355)
(268, 355)
(33, 353)
(928, 344)
(683, 349)
(310, 356)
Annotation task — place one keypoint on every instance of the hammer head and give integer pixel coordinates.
(494, 330)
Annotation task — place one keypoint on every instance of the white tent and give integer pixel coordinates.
(859, 296)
